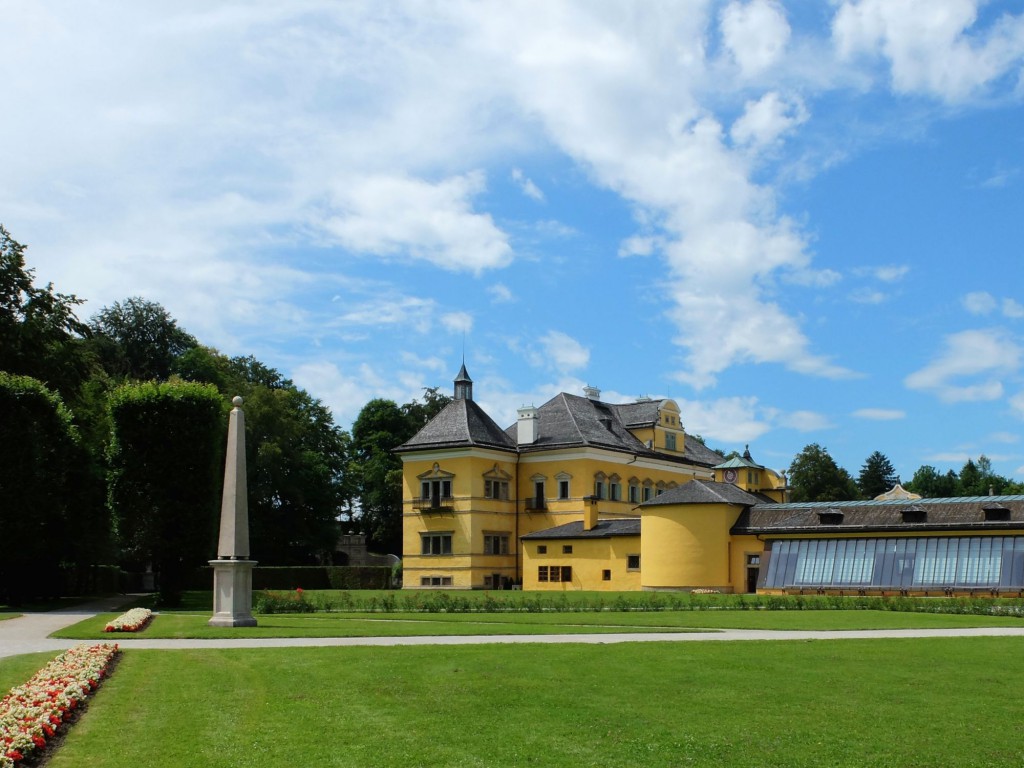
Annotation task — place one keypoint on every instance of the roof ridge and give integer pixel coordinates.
(572, 417)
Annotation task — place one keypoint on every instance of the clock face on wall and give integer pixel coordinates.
(730, 475)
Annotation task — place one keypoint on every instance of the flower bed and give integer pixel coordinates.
(32, 713)
(131, 621)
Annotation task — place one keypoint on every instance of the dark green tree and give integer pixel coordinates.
(296, 458)
(418, 414)
(931, 484)
(377, 472)
(38, 451)
(138, 339)
(166, 468)
(38, 326)
(815, 476)
(876, 476)
(979, 479)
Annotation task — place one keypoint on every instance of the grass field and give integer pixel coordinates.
(850, 703)
(193, 625)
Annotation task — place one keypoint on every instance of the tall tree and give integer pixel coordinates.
(876, 476)
(377, 472)
(37, 454)
(815, 476)
(296, 458)
(166, 464)
(37, 325)
(138, 339)
(931, 484)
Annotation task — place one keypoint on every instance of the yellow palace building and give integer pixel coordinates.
(580, 494)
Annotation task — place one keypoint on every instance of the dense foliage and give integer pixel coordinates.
(165, 451)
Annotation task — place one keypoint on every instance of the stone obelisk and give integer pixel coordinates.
(232, 570)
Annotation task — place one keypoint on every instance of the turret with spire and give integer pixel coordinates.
(463, 384)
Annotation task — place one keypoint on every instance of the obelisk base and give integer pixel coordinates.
(232, 593)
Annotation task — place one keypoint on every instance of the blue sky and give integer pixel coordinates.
(800, 220)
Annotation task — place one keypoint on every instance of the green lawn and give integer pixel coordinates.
(179, 625)
(851, 703)
(9, 616)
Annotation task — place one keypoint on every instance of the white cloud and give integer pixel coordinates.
(730, 419)
(755, 34)
(1017, 404)
(639, 245)
(891, 274)
(457, 322)
(1013, 309)
(401, 216)
(529, 189)
(765, 120)
(932, 46)
(989, 354)
(880, 414)
(979, 303)
(984, 303)
(564, 353)
(1004, 437)
(500, 293)
(805, 421)
(868, 296)
(409, 311)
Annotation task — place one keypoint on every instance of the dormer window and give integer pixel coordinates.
(670, 441)
(914, 514)
(830, 516)
(996, 513)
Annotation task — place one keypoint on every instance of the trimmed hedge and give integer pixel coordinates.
(307, 577)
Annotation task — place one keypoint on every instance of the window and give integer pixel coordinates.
(632, 562)
(599, 487)
(542, 549)
(436, 543)
(606, 575)
(538, 495)
(614, 488)
(567, 549)
(495, 543)
(648, 493)
(634, 493)
(563, 486)
(670, 441)
(435, 581)
(436, 490)
(555, 573)
(496, 489)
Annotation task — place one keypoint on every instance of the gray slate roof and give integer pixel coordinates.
(569, 420)
(460, 423)
(603, 530)
(706, 492)
(967, 513)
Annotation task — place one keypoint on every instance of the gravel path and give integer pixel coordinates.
(28, 634)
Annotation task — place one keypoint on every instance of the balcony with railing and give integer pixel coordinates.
(434, 504)
(536, 505)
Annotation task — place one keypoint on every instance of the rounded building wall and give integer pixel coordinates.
(684, 547)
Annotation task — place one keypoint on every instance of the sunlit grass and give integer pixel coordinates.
(193, 625)
(857, 703)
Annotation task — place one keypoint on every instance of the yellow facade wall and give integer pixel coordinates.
(687, 546)
(589, 559)
(740, 549)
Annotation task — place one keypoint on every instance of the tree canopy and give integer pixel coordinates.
(876, 476)
(815, 476)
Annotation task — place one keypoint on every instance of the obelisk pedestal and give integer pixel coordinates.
(232, 570)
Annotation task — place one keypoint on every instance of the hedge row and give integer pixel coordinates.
(306, 577)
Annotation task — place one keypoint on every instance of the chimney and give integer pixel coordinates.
(592, 393)
(590, 513)
(526, 427)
